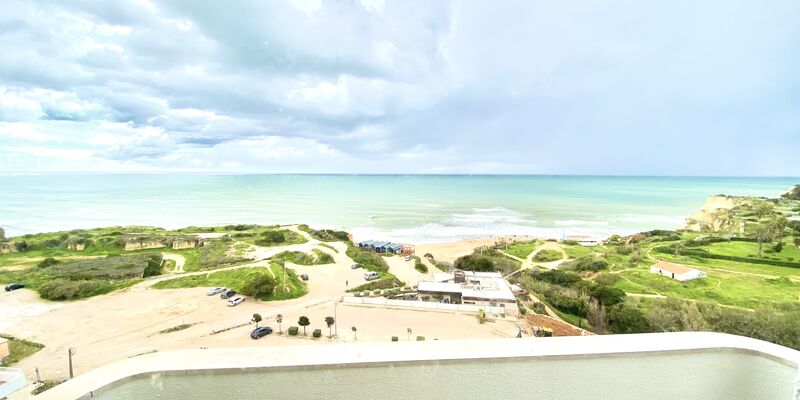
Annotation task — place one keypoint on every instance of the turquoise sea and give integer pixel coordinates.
(408, 208)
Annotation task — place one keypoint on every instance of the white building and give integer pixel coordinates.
(468, 287)
(678, 272)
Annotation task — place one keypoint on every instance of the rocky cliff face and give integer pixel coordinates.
(709, 216)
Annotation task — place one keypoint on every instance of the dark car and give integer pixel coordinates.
(304, 277)
(260, 332)
(14, 286)
(227, 294)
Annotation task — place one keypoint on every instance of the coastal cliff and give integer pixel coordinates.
(714, 213)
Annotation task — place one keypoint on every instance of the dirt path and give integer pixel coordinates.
(528, 263)
(180, 261)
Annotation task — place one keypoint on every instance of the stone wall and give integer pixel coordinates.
(144, 244)
(76, 246)
(8, 247)
(184, 244)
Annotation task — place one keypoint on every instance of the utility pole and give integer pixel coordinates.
(335, 320)
(71, 352)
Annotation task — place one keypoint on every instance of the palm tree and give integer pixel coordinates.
(355, 333)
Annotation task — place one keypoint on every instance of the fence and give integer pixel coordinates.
(427, 305)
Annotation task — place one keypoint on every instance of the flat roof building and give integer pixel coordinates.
(469, 287)
(679, 272)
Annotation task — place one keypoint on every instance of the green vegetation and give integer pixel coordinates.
(20, 349)
(326, 235)
(293, 330)
(388, 282)
(747, 291)
(329, 247)
(793, 194)
(75, 279)
(176, 328)
(254, 280)
(523, 249)
(547, 256)
(419, 266)
(486, 261)
(369, 260)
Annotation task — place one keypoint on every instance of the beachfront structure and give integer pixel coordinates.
(679, 272)
(469, 287)
(386, 247)
(675, 365)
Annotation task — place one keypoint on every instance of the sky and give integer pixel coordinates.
(375, 86)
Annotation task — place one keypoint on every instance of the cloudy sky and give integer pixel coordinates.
(377, 86)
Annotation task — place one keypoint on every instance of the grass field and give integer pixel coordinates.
(236, 279)
(748, 249)
(576, 250)
(547, 256)
(523, 249)
(19, 349)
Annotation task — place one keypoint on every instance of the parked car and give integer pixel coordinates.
(371, 275)
(215, 290)
(14, 286)
(409, 258)
(260, 332)
(355, 266)
(234, 301)
(227, 294)
(304, 277)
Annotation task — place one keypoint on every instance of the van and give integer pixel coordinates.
(371, 275)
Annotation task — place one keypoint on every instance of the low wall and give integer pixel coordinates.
(426, 305)
(683, 365)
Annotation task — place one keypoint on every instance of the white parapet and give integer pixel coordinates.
(11, 380)
(687, 366)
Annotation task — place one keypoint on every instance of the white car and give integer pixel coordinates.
(371, 275)
(409, 258)
(234, 301)
(215, 290)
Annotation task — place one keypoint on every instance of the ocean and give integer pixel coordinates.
(405, 208)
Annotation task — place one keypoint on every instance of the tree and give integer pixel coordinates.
(763, 210)
(304, 322)
(778, 225)
(279, 320)
(763, 233)
(596, 315)
(355, 332)
(259, 285)
(329, 321)
(256, 319)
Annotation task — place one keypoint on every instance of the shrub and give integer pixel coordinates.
(539, 308)
(608, 296)
(21, 245)
(481, 316)
(293, 330)
(273, 237)
(475, 262)
(65, 289)
(394, 338)
(557, 277)
(317, 333)
(419, 266)
(420, 338)
(627, 319)
(566, 304)
(606, 278)
(47, 262)
(368, 260)
(259, 285)
(778, 247)
(586, 263)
